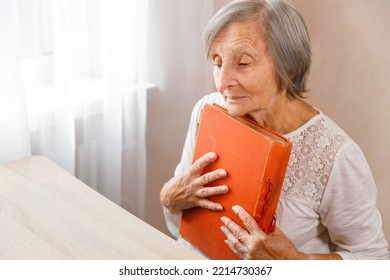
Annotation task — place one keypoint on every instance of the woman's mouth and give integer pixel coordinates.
(234, 99)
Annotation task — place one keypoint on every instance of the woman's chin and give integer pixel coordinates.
(236, 111)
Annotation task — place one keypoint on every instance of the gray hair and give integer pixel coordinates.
(285, 35)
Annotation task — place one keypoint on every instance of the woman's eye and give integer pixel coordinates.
(218, 65)
(243, 65)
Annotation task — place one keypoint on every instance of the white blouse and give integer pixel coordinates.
(328, 198)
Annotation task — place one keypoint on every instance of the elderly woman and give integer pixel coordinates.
(261, 55)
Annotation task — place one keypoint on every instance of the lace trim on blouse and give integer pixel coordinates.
(315, 146)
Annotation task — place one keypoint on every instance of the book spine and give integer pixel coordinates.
(269, 193)
(262, 199)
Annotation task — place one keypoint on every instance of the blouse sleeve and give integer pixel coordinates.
(348, 208)
(173, 221)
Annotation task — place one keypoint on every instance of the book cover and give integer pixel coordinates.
(255, 159)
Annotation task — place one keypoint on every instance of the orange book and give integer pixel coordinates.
(255, 159)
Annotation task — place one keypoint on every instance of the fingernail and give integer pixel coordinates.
(222, 172)
(212, 155)
(219, 207)
(223, 219)
(235, 208)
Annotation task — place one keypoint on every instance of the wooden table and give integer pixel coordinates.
(46, 213)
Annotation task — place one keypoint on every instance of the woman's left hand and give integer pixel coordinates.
(254, 243)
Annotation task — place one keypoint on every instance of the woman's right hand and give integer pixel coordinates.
(189, 189)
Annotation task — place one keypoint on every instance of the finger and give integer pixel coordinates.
(210, 191)
(202, 162)
(229, 235)
(210, 177)
(239, 233)
(250, 223)
(208, 204)
(235, 245)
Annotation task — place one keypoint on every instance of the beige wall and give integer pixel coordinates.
(350, 76)
(350, 72)
(178, 68)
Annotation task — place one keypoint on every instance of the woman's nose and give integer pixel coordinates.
(225, 78)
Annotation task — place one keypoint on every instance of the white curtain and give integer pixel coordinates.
(14, 138)
(73, 89)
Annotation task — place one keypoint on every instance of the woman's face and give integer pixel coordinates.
(243, 69)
